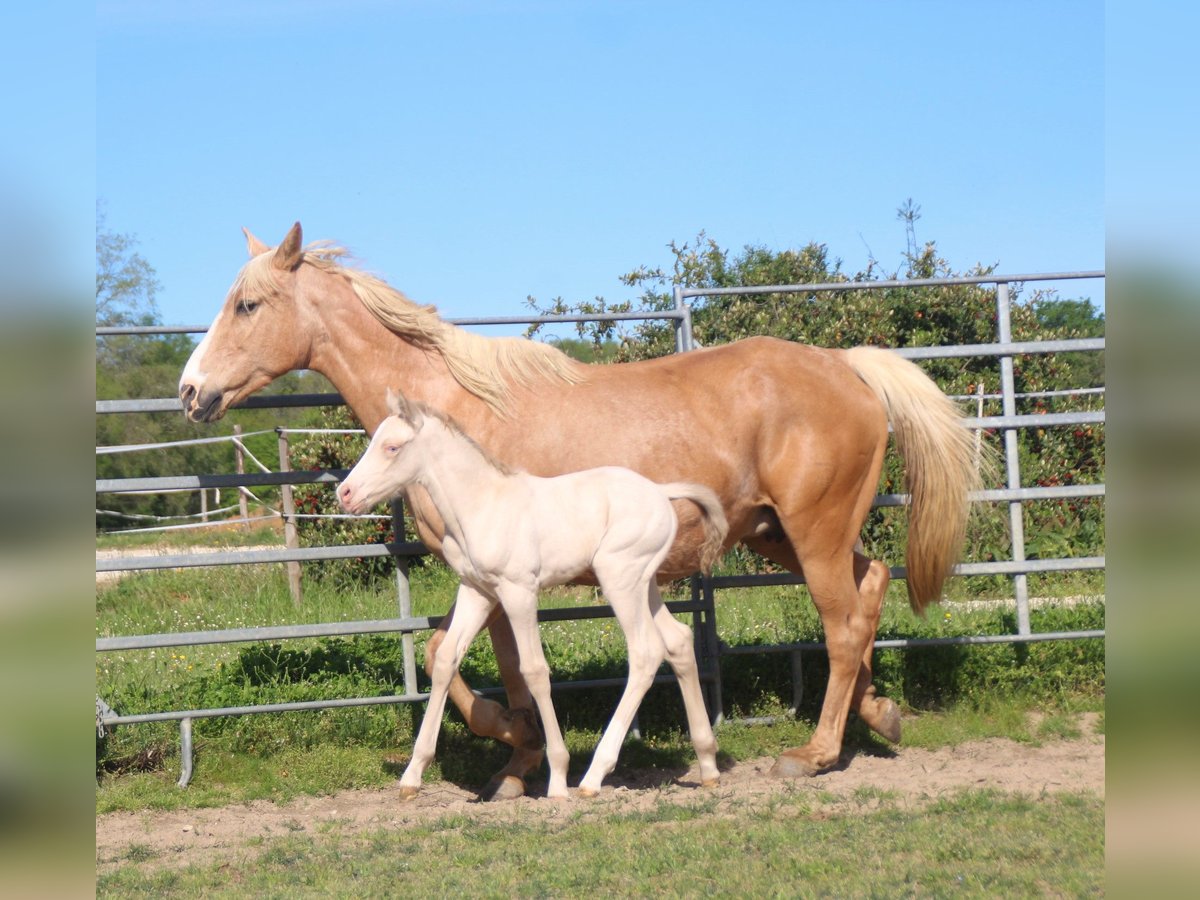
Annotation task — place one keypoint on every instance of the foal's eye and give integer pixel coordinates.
(245, 307)
(392, 449)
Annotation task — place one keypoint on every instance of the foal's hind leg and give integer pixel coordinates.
(629, 601)
(681, 654)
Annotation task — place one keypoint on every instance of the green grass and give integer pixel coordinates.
(973, 844)
(978, 691)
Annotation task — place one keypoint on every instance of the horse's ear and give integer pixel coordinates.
(290, 251)
(253, 245)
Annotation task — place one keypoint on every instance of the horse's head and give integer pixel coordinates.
(388, 464)
(257, 336)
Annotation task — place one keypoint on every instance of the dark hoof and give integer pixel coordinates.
(792, 766)
(888, 725)
(504, 787)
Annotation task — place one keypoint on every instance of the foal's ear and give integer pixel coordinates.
(398, 406)
(254, 246)
(290, 250)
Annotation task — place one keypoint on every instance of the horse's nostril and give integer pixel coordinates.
(186, 393)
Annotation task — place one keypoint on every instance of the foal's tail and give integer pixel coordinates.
(716, 527)
(940, 465)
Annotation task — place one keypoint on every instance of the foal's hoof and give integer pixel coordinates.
(711, 782)
(503, 787)
(587, 793)
(407, 792)
(794, 765)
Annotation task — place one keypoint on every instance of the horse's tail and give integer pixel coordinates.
(939, 460)
(716, 526)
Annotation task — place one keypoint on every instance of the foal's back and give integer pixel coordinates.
(596, 513)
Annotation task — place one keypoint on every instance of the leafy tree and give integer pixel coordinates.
(126, 284)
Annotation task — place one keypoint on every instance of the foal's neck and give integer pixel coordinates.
(457, 474)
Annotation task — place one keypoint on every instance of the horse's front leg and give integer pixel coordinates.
(471, 610)
(516, 726)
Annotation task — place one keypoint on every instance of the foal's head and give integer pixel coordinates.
(389, 462)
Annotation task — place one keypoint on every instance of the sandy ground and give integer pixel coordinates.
(908, 778)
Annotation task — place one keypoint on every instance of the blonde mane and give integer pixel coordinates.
(487, 367)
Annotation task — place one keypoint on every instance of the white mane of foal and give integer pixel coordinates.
(509, 534)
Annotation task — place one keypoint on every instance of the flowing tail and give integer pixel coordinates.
(939, 461)
(716, 527)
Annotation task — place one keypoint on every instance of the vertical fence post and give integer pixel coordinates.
(978, 431)
(239, 459)
(683, 325)
(203, 505)
(291, 539)
(1012, 463)
(404, 601)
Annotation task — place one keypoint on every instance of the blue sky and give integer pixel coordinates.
(475, 153)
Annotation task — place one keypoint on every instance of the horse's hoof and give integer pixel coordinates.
(587, 792)
(504, 787)
(711, 782)
(790, 765)
(407, 792)
(888, 724)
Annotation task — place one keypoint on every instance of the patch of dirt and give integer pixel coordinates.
(907, 778)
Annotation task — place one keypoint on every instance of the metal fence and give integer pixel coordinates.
(701, 605)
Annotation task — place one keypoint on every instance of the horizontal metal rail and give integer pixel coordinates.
(342, 629)
(289, 401)
(878, 285)
(563, 318)
(333, 476)
(342, 703)
(908, 643)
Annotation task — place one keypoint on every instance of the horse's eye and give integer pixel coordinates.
(245, 307)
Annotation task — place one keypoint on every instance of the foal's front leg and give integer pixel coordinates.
(471, 610)
(520, 604)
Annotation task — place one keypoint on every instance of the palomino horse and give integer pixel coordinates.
(790, 437)
(510, 534)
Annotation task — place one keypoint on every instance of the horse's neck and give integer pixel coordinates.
(367, 358)
(458, 477)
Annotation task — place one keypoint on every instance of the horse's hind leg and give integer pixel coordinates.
(881, 714)
(848, 636)
(871, 579)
